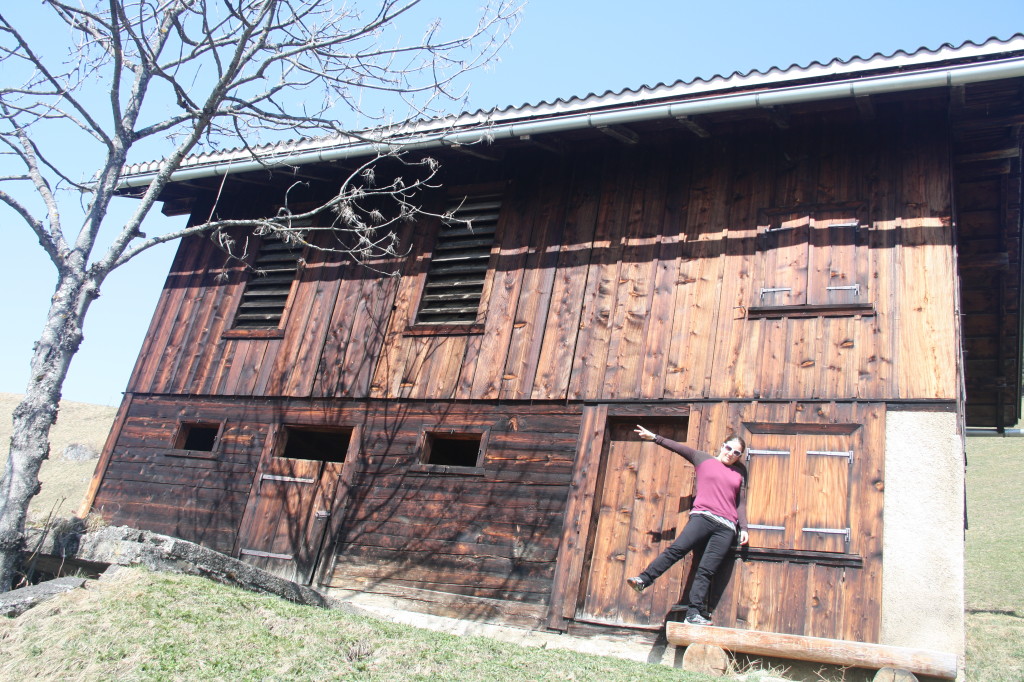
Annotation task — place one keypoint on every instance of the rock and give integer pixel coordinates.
(78, 452)
(17, 602)
(126, 546)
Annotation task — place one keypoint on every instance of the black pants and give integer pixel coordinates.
(699, 530)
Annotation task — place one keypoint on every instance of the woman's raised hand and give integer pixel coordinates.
(644, 433)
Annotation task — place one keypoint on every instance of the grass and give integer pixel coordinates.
(994, 580)
(180, 627)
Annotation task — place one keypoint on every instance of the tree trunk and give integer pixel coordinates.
(37, 412)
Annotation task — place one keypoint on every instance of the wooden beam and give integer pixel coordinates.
(549, 146)
(696, 128)
(474, 152)
(620, 133)
(957, 98)
(778, 116)
(866, 107)
(988, 261)
(993, 155)
(816, 649)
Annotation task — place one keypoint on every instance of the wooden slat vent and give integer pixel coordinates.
(270, 283)
(455, 278)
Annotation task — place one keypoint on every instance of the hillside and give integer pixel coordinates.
(64, 482)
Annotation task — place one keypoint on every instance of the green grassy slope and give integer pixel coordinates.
(995, 543)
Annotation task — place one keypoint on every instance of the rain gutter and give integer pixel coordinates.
(775, 97)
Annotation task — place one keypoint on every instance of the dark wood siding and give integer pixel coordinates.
(492, 532)
(621, 273)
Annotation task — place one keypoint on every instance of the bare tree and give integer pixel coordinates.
(192, 75)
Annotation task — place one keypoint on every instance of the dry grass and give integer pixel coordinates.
(64, 483)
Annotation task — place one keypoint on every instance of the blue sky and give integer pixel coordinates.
(562, 48)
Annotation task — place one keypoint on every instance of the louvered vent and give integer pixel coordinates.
(455, 279)
(266, 292)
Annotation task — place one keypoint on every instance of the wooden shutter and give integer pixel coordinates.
(824, 482)
(838, 265)
(458, 268)
(769, 499)
(270, 283)
(782, 245)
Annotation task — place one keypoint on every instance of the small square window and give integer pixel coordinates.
(323, 445)
(197, 437)
(453, 449)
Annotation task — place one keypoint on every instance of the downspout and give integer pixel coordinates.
(899, 82)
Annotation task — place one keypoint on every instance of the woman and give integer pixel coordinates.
(720, 506)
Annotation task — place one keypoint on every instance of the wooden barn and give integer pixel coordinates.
(826, 259)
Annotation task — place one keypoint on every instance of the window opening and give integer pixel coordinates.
(455, 278)
(453, 450)
(269, 285)
(197, 437)
(324, 445)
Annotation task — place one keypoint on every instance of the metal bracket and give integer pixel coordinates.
(774, 290)
(845, 532)
(757, 526)
(266, 555)
(766, 452)
(848, 454)
(849, 287)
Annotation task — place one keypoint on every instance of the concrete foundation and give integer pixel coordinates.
(923, 522)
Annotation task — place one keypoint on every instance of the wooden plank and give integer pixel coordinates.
(735, 371)
(529, 323)
(816, 649)
(183, 270)
(577, 518)
(587, 377)
(562, 324)
(631, 315)
(505, 274)
(666, 282)
(108, 450)
(926, 367)
(298, 361)
(863, 623)
(390, 366)
(696, 307)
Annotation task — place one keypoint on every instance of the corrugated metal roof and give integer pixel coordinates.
(754, 80)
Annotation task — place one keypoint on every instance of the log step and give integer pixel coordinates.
(816, 649)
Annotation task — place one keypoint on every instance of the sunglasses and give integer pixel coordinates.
(729, 448)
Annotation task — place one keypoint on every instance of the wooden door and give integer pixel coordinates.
(284, 527)
(644, 495)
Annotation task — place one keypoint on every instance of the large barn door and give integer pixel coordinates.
(289, 509)
(644, 493)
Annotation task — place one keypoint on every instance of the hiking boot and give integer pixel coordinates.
(637, 583)
(697, 619)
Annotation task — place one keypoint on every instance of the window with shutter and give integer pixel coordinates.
(812, 261)
(799, 492)
(266, 293)
(455, 278)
